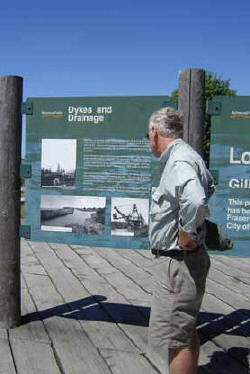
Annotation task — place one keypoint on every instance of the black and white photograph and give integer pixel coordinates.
(129, 216)
(76, 214)
(58, 163)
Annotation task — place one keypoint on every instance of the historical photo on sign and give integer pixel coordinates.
(76, 214)
(58, 162)
(129, 216)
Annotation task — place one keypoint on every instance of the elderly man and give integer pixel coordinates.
(177, 214)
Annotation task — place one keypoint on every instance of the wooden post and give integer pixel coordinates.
(191, 103)
(10, 158)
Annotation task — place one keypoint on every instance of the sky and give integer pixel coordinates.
(59, 151)
(122, 48)
(58, 202)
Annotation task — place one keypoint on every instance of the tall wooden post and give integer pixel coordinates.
(10, 158)
(191, 103)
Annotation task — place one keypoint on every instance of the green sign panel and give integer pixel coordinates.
(90, 170)
(230, 158)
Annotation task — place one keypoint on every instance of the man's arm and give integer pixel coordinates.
(193, 207)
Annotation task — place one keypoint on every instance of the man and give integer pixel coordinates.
(176, 232)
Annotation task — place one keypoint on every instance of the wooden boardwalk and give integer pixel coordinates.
(86, 310)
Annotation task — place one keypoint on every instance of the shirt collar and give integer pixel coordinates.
(165, 155)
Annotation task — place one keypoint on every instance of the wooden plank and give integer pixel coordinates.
(78, 358)
(134, 273)
(31, 327)
(224, 325)
(29, 263)
(107, 335)
(222, 293)
(33, 357)
(98, 277)
(223, 307)
(241, 263)
(137, 333)
(229, 282)
(134, 256)
(66, 283)
(124, 285)
(214, 360)
(113, 335)
(230, 297)
(230, 270)
(96, 261)
(116, 305)
(218, 318)
(232, 344)
(147, 254)
(227, 297)
(38, 286)
(122, 362)
(96, 283)
(221, 338)
(108, 254)
(211, 361)
(73, 348)
(81, 249)
(7, 364)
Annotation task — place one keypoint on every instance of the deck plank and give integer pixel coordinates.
(54, 266)
(127, 316)
(92, 304)
(238, 273)
(88, 258)
(7, 365)
(72, 346)
(31, 327)
(229, 282)
(122, 362)
(33, 357)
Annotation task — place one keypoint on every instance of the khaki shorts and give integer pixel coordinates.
(178, 291)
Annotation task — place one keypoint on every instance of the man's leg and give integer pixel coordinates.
(185, 360)
(180, 286)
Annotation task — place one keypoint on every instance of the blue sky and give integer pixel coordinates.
(122, 47)
(97, 48)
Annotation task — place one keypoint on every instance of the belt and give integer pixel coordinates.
(174, 253)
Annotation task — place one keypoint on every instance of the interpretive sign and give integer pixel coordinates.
(230, 158)
(92, 170)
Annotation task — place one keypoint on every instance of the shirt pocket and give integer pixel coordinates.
(159, 206)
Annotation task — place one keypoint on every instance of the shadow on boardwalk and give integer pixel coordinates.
(221, 362)
(210, 325)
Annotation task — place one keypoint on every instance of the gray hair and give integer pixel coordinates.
(168, 122)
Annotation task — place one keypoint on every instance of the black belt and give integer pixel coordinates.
(174, 253)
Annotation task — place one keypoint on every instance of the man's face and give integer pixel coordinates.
(154, 140)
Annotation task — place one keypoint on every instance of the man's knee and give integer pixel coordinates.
(194, 349)
(174, 352)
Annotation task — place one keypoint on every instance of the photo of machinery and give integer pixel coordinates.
(129, 217)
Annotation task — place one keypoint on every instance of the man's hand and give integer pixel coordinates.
(186, 242)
